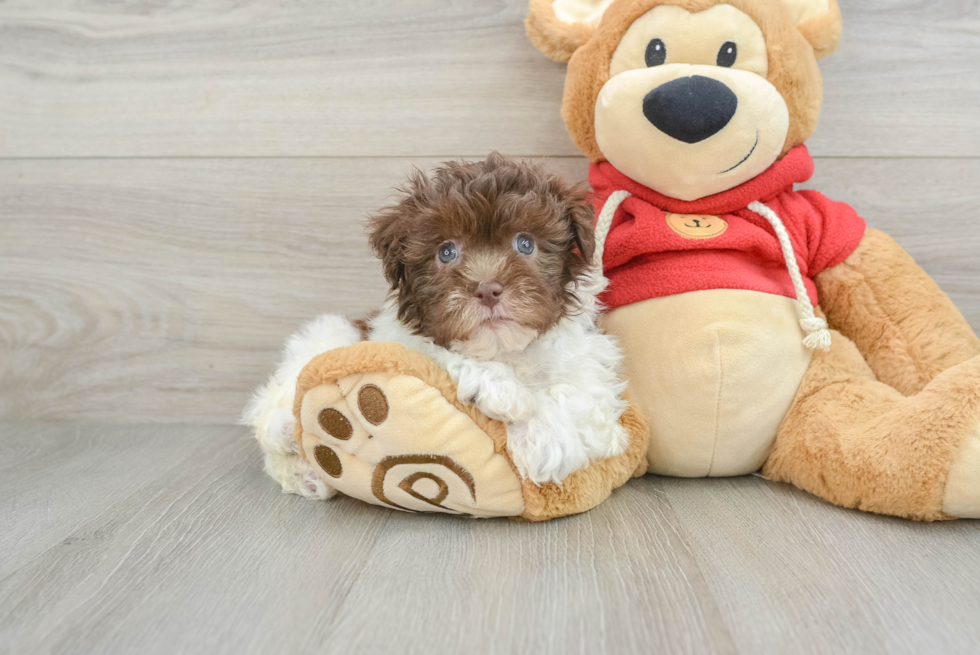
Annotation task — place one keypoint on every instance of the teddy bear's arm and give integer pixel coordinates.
(906, 328)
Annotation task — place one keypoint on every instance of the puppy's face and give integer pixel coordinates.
(482, 256)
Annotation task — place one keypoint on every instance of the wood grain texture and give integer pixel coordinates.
(162, 290)
(182, 184)
(910, 587)
(422, 78)
(207, 556)
(37, 510)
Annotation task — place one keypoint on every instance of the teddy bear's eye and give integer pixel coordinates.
(656, 52)
(727, 54)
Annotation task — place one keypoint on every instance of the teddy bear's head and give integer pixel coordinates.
(688, 97)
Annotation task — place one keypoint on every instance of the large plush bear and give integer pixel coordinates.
(694, 114)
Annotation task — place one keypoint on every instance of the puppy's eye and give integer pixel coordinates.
(524, 244)
(656, 53)
(448, 252)
(727, 54)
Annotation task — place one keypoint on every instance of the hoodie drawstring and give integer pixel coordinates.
(604, 222)
(817, 332)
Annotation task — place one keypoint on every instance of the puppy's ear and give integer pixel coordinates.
(386, 240)
(560, 27)
(580, 218)
(391, 226)
(819, 21)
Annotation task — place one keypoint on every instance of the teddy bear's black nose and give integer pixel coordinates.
(690, 109)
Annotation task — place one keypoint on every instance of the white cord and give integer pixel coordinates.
(604, 222)
(817, 333)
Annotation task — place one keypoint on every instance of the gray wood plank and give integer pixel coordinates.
(39, 507)
(421, 78)
(162, 290)
(792, 573)
(887, 87)
(620, 579)
(208, 556)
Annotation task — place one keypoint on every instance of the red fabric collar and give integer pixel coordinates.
(795, 167)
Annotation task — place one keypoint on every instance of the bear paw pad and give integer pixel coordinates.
(391, 439)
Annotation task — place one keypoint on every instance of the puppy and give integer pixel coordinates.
(490, 270)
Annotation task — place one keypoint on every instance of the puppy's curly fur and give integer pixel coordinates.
(479, 209)
(531, 357)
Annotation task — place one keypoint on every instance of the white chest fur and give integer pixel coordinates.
(568, 380)
(715, 372)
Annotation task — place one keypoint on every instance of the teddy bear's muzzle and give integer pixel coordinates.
(690, 109)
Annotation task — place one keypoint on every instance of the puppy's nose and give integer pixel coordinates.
(690, 109)
(488, 293)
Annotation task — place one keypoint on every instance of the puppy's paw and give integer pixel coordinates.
(546, 448)
(513, 405)
(280, 431)
(494, 389)
(311, 486)
(295, 476)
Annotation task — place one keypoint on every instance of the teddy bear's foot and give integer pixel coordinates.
(858, 442)
(382, 423)
(389, 438)
(962, 495)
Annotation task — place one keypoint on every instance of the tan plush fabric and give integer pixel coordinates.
(715, 372)
(556, 39)
(823, 30)
(693, 39)
(905, 326)
(962, 496)
(424, 418)
(792, 66)
(860, 443)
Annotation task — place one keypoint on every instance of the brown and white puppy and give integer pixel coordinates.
(491, 277)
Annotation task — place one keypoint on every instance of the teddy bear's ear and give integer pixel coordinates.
(560, 27)
(819, 21)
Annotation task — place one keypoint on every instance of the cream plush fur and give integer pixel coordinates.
(561, 396)
(728, 364)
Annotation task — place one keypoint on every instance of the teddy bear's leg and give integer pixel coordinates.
(860, 443)
(382, 423)
(908, 330)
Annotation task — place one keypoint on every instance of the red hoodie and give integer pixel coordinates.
(656, 248)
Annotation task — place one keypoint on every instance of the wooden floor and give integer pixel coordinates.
(169, 539)
(182, 184)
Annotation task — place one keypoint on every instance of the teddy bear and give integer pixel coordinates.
(764, 329)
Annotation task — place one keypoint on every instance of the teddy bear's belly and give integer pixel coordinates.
(715, 372)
